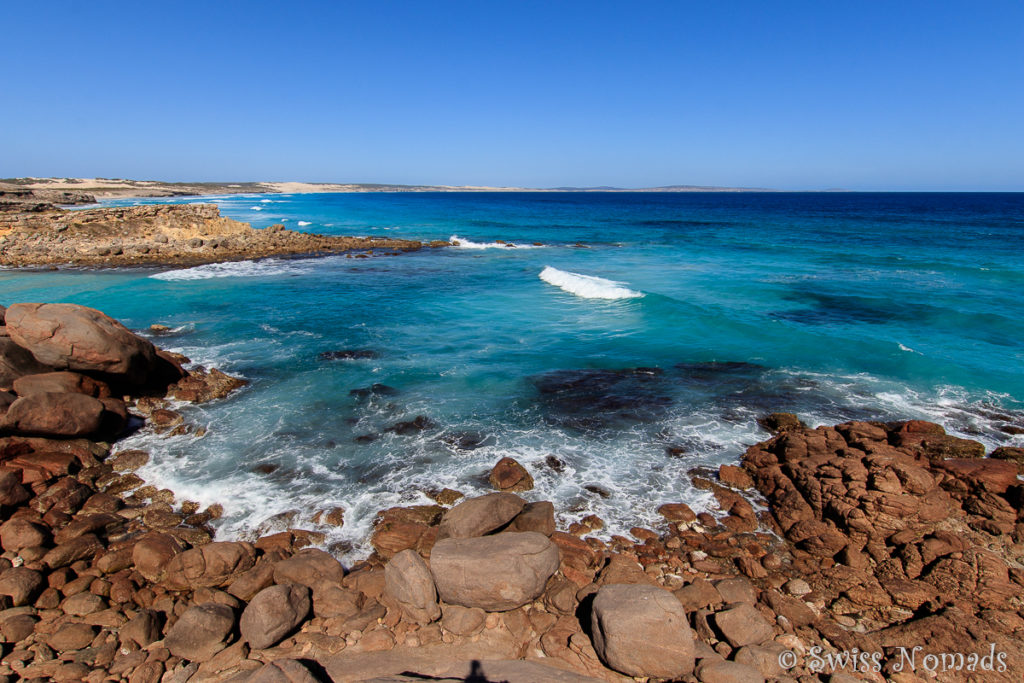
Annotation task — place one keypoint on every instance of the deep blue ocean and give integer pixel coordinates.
(642, 339)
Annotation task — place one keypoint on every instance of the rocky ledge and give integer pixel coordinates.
(864, 551)
(185, 234)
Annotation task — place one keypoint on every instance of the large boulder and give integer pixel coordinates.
(200, 632)
(495, 573)
(63, 415)
(480, 515)
(59, 382)
(152, 554)
(16, 362)
(68, 336)
(510, 475)
(407, 580)
(642, 630)
(273, 614)
(309, 567)
(213, 564)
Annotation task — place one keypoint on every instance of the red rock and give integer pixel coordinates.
(539, 517)
(509, 475)
(200, 632)
(274, 613)
(21, 584)
(16, 362)
(679, 513)
(55, 414)
(737, 477)
(743, 625)
(409, 583)
(997, 475)
(80, 548)
(80, 338)
(16, 534)
(213, 564)
(152, 554)
(61, 382)
(309, 567)
(480, 515)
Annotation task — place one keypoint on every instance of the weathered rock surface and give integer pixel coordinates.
(480, 515)
(409, 583)
(200, 632)
(274, 613)
(509, 475)
(642, 631)
(213, 564)
(494, 573)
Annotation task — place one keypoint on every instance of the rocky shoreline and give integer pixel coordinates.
(863, 541)
(35, 232)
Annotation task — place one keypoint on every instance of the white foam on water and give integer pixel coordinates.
(255, 208)
(587, 286)
(305, 223)
(266, 201)
(908, 349)
(208, 271)
(462, 243)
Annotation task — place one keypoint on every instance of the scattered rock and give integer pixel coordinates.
(410, 584)
(274, 613)
(509, 475)
(200, 632)
(480, 515)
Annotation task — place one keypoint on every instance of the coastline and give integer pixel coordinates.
(917, 537)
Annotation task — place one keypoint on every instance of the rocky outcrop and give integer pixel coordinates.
(186, 234)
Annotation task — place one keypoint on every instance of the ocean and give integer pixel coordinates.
(625, 340)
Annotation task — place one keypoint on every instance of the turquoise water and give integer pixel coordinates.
(834, 306)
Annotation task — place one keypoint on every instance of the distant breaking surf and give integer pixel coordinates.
(587, 286)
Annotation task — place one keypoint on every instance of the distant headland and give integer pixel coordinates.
(107, 188)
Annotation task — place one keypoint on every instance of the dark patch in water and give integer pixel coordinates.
(594, 399)
(466, 441)
(366, 438)
(375, 389)
(417, 424)
(595, 489)
(349, 354)
(554, 463)
(266, 468)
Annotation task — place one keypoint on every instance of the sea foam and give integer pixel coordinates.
(231, 269)
(587, 286)
(462, 243)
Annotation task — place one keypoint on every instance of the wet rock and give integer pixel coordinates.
(375, 389)
(414, 426)
(202, 386)
(445, 496)
(642, 630)
(129, 461)
(494, 573)
(736, 477)
(200, 632)
(409, 583)
(509, 475)
(213, 564)
(334, 516)
(84, 339)
(349, 354)
(1010, 453)
(480, 515)
(679, 513)
(781, 422)
(274, 613)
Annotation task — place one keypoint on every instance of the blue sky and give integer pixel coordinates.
(792, 95)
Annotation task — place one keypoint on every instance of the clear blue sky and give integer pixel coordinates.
(797, 95)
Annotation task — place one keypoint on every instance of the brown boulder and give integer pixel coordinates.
(86, 546)
(213, 564)
(200, 632)
(20, 584)
(309, 567)
(59, 383)
(283, 671)
(152, 554)
(273, 614)
(1010, 453)
(62, 415)
(781, 422)
(463, 621)
(18, 533)
(79, 338)
(480, 515)
(71, 637)
(494, 573)
(743, 625)
(11, 490)
(408, 582)
(509, 475)
(16, 362)
(679, 513)
(642, 630)
(997, 475)
(142, 629)
(734, 476)
(539, 517)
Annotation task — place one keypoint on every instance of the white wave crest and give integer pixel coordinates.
(231, 269)
(266, 201)
(256, 208)
(305, 223)
(462, 243)
(587, 286)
